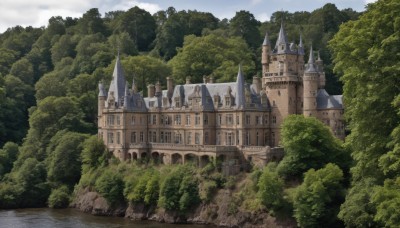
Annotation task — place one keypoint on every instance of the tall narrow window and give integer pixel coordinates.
(197, 138)
(187, 119)
(189, 138)
(118, 138)
(206, 138)
(197, 119)
(133, 137)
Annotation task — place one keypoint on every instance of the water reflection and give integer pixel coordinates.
(51, 218)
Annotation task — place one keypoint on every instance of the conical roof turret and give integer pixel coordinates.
(266, 40)
(101, 90)
(117, 85)
(301, 46)
(311, 62)
(282, 40)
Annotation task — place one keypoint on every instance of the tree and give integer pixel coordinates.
(8, 154)
(365, 54)
(23, 70)
(59, 197)
(317, 199)
(308, 144)
(64, 158)
(211, 56)
(270, 189)
(92, 153)
(387, 201)
(245, 25)
(140, 26)
(110, 185)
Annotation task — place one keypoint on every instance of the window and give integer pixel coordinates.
(167, 120)
(266, 139)
(257, 140)
(118, 138)
(237, 120)
(118, 120)
(197, 119)
(133, 137)
(248, 118)
(197, 138)
(189, 138)
(162, 119)
(274, 119)
(206, 119)
(110, 120)
(141, 137)
(229, 119)
(149, 137)
(247, 139)
(178, 138)
(154, 119)
(218, 138)
(219, 119)
(133, 120)
(110, 138)
(227, 101)
(206, 138)
(168, 137)
(266, 119)
(177, 119)
(188, 119)
(258, 120)
(154, 136)
(228, 138)
(162, 137)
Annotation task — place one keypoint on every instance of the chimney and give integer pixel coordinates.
(211, 79)
(188, 80)
(150, 90)
(158, 89)
(257, 84)
(204, 79)
(170, 87)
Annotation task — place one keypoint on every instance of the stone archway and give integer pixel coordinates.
(204, 160)
(176, 159)
(192, 159)
(129, 157)
(157, 157)
(134, 156)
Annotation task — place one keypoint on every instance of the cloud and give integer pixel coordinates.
(36, 13)
(262, 17)
(370, 1)
(255, 2)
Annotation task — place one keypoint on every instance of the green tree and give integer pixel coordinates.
(211, 55)
(59, 197)
(92, 153)
(110, 185)
(64, 158)
(245, 25)
(140, 26)
(317, 199)
(387, 201)
(8, 154)
(270, 189)
(309, 144)
(23, 70)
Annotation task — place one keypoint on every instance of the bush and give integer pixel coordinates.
(110, 185)
(270, 189)
(59, 197)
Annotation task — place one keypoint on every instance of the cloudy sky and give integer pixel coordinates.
(37, 12)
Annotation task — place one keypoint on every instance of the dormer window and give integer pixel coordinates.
(227, 101)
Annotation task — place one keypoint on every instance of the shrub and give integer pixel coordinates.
(110, 185)
(59, 197)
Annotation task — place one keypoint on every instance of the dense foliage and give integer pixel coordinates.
(366, 54)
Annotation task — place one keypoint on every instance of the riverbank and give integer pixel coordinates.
(218, 212)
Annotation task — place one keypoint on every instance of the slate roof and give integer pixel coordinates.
(326, 101)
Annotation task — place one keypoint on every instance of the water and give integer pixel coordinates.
(72, 218)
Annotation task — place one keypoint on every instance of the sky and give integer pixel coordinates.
(37, 12)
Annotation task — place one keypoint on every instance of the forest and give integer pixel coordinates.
(48, 112)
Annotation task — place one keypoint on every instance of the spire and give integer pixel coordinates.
(266, 40)
(118, 81)
(240, 99)
(311, 61)
(126, 90)
(301, 47)
(319, 57)
(282, 40)
(101, 90)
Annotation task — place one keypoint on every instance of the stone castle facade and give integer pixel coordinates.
(234, 122)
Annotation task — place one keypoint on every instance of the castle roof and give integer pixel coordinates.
(326, 101)
(311, 62)
(266, 40)
(117, 85)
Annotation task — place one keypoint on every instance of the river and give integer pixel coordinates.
(72, 218)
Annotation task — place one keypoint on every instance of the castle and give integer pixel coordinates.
(233, 122)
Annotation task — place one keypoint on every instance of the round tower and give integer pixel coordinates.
(310, 87)
(266, 48)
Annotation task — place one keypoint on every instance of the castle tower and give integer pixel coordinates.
(266, 48)
(117, 85)
(282, 81)
(310, 84)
